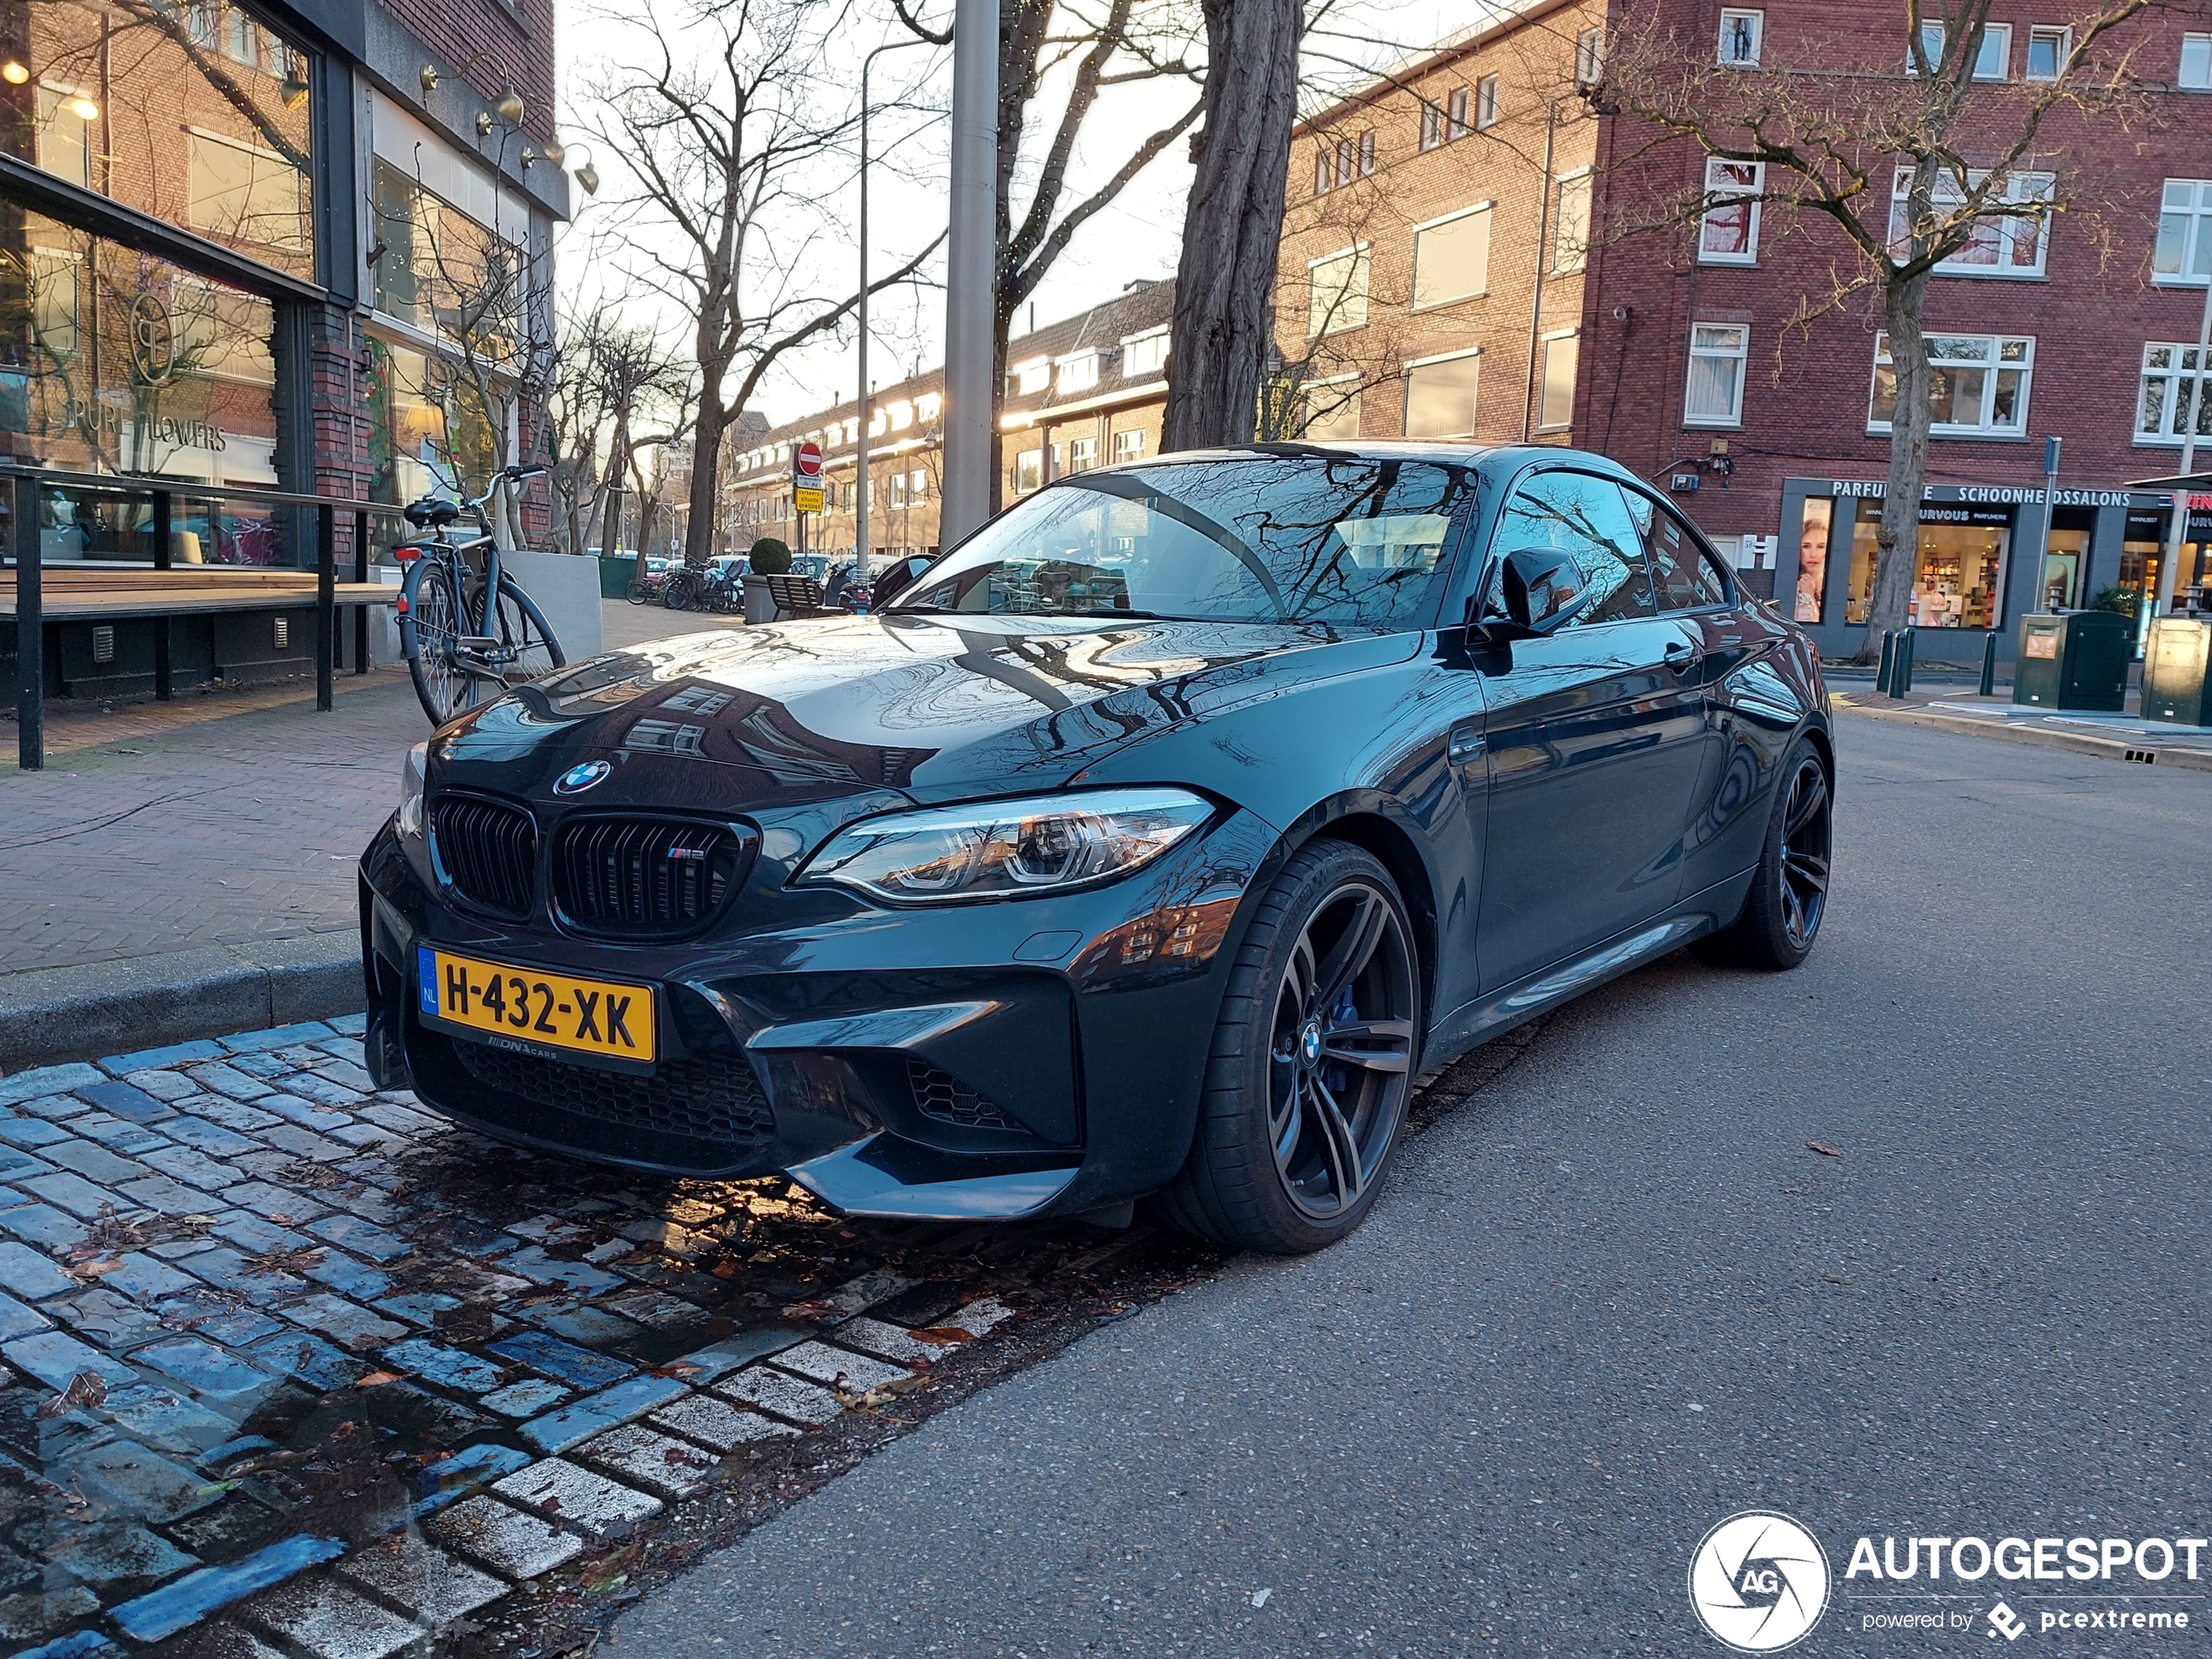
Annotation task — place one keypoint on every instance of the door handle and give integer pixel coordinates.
(1678, 653)
(1468, 744)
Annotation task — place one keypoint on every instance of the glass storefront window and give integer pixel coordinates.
(1813, 559)
(1960, 579)
(444, 273)
(428, 434)
(196, 114)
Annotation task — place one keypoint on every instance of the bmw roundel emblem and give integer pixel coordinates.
(578, 779)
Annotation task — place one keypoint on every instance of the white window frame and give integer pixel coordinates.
(1124, 450)
(1993, 366)
(1406, 379)
(1306, 403)
(1584, 176)
(1431, 126)
(2064, 34)
(1486, 103)
(1028, 463)
(2196, 236)
(1082, 454)
(1720, 192)
(1590, 56)
(1543, 378)
(1458, 114)
(1741, 357)
(1934, 36)
(1325, 168)
(1361, 262)
(2201, 46)
(1077, 372)
(2020, 188)
(1031, 377)
(2176, 373)
(1755, 30)
(1142, 347)
(1991, 33)
(1438, 223)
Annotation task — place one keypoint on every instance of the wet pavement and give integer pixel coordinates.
(295, 1367)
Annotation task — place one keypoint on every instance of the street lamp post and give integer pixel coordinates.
(867, 393)
(970, 276)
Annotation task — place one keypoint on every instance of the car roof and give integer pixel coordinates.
(1503, 458)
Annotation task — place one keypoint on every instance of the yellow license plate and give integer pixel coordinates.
(532, 1006)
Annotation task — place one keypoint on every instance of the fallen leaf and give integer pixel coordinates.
(87, 1391)
(942, 1335)
(727, 1270)
(815, 1312)
(551, 1506)
(377, 1379)
(1824, 1149)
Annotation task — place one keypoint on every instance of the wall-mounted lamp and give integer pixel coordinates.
(555, 152)
(588, 176)
(483, 124)
(510, 107)
(293, 92)
(429, 78)
(14, 73)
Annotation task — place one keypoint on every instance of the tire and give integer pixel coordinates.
(676, 593)
(1780, 921)
(1324, 1073)
(522, 627)
(428, 631)
(638, 592)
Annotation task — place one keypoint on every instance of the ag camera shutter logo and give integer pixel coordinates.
(1759, 1581)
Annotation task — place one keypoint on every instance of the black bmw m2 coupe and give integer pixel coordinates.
(1152, 842)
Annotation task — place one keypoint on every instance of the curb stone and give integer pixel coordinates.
(49, 1016)
(2044, 738)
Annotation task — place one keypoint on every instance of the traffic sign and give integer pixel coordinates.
(806, 498)
(806, 461)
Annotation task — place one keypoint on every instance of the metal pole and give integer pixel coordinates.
(2051, 447)
(360, 575)
(31, 631)
(1988, 665)
(867, 393)
(2178, 534)
(164, 681)
(970, 273)
(326, 605)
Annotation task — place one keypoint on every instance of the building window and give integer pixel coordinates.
(1028, 471)
(2196, 63)
(1366, 152)
(1129, 446)
(1337, 292)
(1079, 371)
(2047, 50)
(1440, 395)
(1332, 409)
(2012, 246)
(1025, 380)
(2169, 374)
(898, 490)
(917, 486)
(1740, 33)
(1486, 101)
(1932, 39)
(1729, 233)
(1978, 385)
(1144, 353)
(1714, 393)
(241, 192)
(1590, 58)
(1431, 125)
(1994, 61)
(64, 145)
(1555, 401)
(1457, 126)
(1452, 257)
(1323, 171)
(2184, 252)
(1571, 237)
(1082, 454)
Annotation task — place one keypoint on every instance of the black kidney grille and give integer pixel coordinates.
(707, 1097)
(644, 875)
(488, 851)
(939, 1094)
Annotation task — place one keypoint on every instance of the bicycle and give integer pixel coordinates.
(464, 621)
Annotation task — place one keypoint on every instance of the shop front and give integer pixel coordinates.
(1988, 555)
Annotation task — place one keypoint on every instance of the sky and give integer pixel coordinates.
(1136, 237)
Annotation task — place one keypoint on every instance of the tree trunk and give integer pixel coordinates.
(1897, 543)
(706, 444)
(1233, 226)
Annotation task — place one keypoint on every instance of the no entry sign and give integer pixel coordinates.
(807, 463)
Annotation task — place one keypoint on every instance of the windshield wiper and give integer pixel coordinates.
(1119, 616)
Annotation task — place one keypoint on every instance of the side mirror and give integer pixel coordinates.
(1544, 591)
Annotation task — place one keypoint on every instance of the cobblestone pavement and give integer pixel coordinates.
(291, 1366)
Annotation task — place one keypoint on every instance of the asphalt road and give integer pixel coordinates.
(1614, 1298)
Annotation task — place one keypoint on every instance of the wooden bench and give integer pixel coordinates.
(95, 592)
(797, 596)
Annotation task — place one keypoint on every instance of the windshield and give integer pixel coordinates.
(1349, 541)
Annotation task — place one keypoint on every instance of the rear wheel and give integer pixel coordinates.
(1312, 1061)
(430, 631)
(1782, 914)
(639, 592)
(524, 632)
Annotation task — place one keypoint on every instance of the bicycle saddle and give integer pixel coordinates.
(432, 512)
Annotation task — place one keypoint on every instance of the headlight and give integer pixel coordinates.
(412, 771)
(1005, 849)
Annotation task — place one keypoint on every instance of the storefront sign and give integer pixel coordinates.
(2009, 494)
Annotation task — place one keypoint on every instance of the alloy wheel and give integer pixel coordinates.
(1340, 1054)
(1806, 837)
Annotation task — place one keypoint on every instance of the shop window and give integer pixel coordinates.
(441, 270)
(2170, 375)
(1810, 604)
(1740, 33)
(1714, 393)
(1728, 233)
(1556, 398)
(2011, 245)
(1452, 257)
(1337, 292)
(1332, 409)
(1978, 385)
(1129, 446)
(2195, 69)
(429, 432)
(1571, 233)
(1143, 355)
(2047, 50)
(2184, 251)
(1440, 395)
(241, 193)
(1959, 581)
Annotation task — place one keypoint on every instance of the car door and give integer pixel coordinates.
(1596, 735)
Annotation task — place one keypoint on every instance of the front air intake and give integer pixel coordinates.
(646, 878)
(488, 851)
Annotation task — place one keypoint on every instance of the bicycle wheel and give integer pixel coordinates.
(429, 629)
(676, 592)
(638, 592)
(523, 630)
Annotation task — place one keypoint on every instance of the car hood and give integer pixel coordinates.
(935, 708)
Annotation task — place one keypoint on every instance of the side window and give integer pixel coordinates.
(1682, 571)
(1588, 519)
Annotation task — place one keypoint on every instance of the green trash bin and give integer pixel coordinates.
(616, 575)
(2074, 659)
(2176, 658)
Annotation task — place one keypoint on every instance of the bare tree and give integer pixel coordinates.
(1887, 140)
(722, 134)
(619, 391)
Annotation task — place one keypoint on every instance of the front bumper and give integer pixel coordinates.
(980, 1062)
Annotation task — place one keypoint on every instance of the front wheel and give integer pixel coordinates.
(639, 592)
(1782, 914)
(1312, 1063)
(528, 648)
(430, 630)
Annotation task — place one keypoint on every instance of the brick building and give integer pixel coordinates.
(1079, 393)
(1441, 277)
(256, 245)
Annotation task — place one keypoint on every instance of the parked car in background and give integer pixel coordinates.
(1150, 843)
